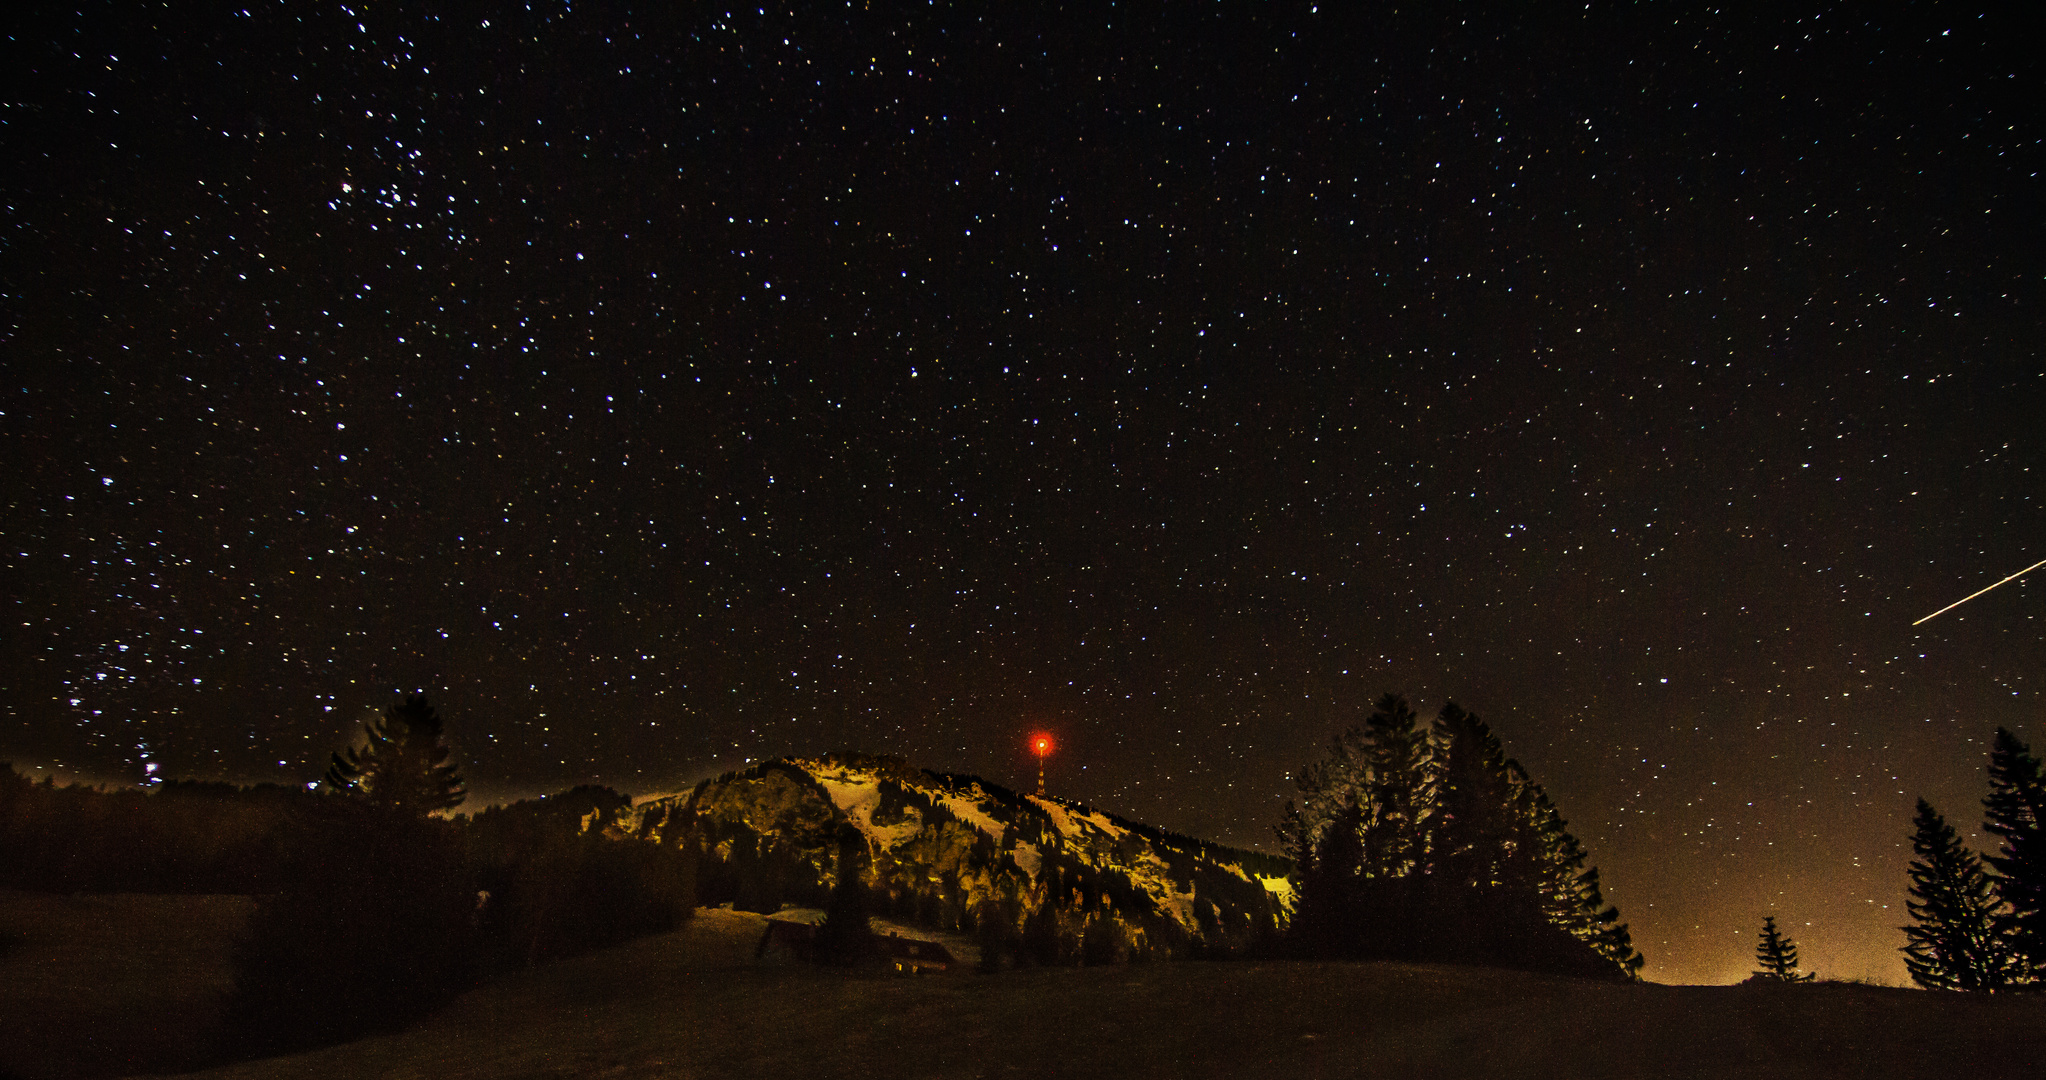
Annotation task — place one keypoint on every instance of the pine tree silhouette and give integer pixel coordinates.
(1477, 840)
(1957, 943)
(2015, 812)
(403, 765)
(994, 934)
(1401, 790)
(1571, 896)
(1778, 956)
(1042, 942)
(1325, 921)
(1437, 847)
(845, 937)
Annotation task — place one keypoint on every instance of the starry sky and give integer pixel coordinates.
(662, 390)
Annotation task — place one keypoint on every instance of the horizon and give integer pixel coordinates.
(1736, 966)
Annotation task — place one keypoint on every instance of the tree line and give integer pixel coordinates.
(1429, 844)
(1979, 920)
(373, 907)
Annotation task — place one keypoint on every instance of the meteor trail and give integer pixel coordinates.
(1979, 592)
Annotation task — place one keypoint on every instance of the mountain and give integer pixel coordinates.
(1036, 878)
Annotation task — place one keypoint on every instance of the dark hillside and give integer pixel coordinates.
(694, 1004)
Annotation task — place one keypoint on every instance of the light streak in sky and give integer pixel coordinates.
(1979, 592)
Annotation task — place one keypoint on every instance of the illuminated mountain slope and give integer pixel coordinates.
(1054, 880)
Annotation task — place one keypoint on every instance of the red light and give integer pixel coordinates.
(1040, 745)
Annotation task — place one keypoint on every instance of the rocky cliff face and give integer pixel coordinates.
(1040, 879)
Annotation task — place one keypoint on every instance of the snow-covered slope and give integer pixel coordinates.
(957, 852)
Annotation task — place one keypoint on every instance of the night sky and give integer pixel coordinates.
(663, 391)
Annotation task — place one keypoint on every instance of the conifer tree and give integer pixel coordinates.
(1477, 838)
(1325, 912)
(995, 935)
(1434, 845)
(1396, 759)
(1958, 942)
(2015, 812)
(1294, 838)
(1326, 787)
(845, 937)
(1778, 956)
(1503, 865)
(1102, 940)
(1042, 942)
(1383, 769)
(1570, 893)
(403, 766)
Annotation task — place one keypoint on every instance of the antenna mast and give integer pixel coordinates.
(1040, 744)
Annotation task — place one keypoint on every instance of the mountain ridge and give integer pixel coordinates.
(1038, 877)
